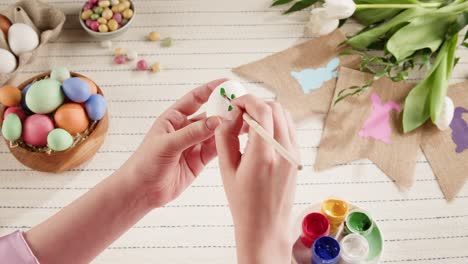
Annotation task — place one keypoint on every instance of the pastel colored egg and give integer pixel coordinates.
(72, 117)
(36, 128)
(17, 110)
(113, 25)
(96, 107)
(104, 3)
(142, 65)
(120, 59)
(59, 140)
(117, 17)
(86, 14)
(44, 96)
(10, 95)
(22, 38)
(76, 89)
(60, 74)
(95, 26)
(92, 85)
(103, 28)
(128, 13)
(107, 13)
(5, 24)
(9, 62)
(11, 128)
(23, 97)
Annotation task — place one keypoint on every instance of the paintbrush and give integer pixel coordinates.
(266, 136)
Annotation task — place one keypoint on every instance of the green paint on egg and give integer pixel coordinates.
(59, 140)
(12, 127)
(44, 96)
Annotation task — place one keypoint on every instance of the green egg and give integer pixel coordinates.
(60, 74)
(59, 140)
(12, 127)
(44, 96)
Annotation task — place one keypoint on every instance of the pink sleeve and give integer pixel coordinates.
(15, 250)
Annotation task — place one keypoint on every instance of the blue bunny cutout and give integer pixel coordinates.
(311, 79)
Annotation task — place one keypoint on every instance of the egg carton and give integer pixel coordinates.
(45, 19)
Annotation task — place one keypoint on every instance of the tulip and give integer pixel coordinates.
(339, 9)
(446, 115)
(320, 24)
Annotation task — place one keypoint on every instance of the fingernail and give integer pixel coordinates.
(212, 123)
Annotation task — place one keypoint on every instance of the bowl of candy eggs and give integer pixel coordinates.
(54, 121)
(107, 19)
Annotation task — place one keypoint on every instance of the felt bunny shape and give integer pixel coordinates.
(460, 129)
(311, 79)
(377, 125)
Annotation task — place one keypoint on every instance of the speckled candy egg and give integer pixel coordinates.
(15, 110)
(59, 140)
(11, 128)
(72, 117)
(76, 89)
(60, 74)
(10, 95)
(96, 107)
(36, 128)
(44, 96)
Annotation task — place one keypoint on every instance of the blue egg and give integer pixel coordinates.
(76, 89)
(23, 98)
(96, 107)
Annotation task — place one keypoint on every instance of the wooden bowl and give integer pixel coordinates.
(61, 161)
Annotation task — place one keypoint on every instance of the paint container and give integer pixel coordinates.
(335, 210)
(326, 250)
(354, 249)
(359, 222)
(314, 226)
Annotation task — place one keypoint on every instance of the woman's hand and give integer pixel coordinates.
(176, 149)
(259, 184)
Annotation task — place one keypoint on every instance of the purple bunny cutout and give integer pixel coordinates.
(459, 130)
(377, 126)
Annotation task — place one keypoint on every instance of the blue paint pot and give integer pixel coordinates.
(326, 250)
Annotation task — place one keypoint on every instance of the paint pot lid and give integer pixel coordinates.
(354, 248)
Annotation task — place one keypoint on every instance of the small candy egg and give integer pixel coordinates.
(60, 74)
(44, 96)
(103, 28)
(142, 65)
(23, 98)
(76, 89)
(71, 117)
(156, 67)
(127, 13)
(114, 2)
(217, 105)
(153, 36)
(102, 20)
(11, 128)
(117, 17)
(36, 128)
(86, 14)
(107, 13)
(104, 3)
(113, 25)
(132, 55)
(118, 8)
(10, 96)
(124, 22)
(88, 23)
(8, 61)
(22, 38)
(5, 24)
(98, 10)
(95, 16)
(59, 140)
(106, 44)
(96, 107)
(119, 51)
(17, 110)
(95, 26)
(88, 6)
(120, 59)
(92, 85)
(127, 4)
(167, 42)
(93, 2)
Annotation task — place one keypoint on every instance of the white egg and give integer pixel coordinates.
(217, 105)
(132, 55)
(107, 44)
(8, 61)
(446, 115)
(22, 38)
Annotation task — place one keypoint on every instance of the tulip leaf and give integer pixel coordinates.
(281, 2)
(302, 4)
(458, 25)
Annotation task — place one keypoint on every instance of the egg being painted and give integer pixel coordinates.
(217, 105)
(11, 128)
(59, 140)
(36, 128)
(8, 62)
(10, 95)
(44, 96)
(72, 117)
(22, 38)
(76, 89)
(96, 107)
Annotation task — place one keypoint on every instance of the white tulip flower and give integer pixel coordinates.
(319, 24)
(446, 114)
(339, 9)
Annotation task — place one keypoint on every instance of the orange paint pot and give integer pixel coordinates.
(71, 117)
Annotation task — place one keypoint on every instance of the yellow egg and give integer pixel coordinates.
(128, 13)
(127, 4)
(103, 28)
(86, 14)
(71, 117)
(113, 25)
(102, 20)
(107, 13)
(104, 3)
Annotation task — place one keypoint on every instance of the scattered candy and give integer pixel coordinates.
(44, 96)
(119, 51)
(106, 44)
(153, 36)
(132, 55)
(120, 59)
(96, 107)
(36, 128)
(142, 65)
(166, 42)
(156, 67)
(11, 128)
(10, 96)
(59, 140)
(60, 74)
(71, 117)
(17, 110)
(76, 89)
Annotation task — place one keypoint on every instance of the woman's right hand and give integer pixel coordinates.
(260, 184)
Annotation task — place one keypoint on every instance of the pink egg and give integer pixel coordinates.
(142, 65)
(88, 22)
(36, 128)
(15, 110)
(94, 26)
(88, 6)
(120, 59)
(93, 2)
(117, 17)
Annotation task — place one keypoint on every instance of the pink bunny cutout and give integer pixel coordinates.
(377, 126)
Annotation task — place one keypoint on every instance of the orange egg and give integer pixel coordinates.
(71, 117)
(92, 85)
(5, 24)
(10, 95)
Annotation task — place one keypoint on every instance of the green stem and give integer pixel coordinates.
(402, 6)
